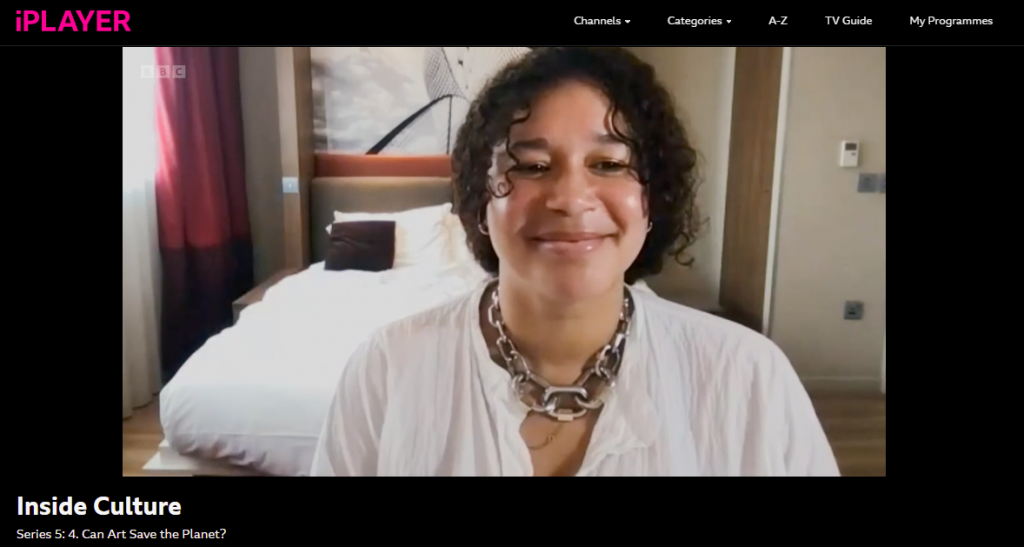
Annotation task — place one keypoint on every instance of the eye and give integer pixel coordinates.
(611, 166)
(529, 169)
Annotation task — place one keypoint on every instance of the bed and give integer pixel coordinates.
(255, 395)
(253, 398)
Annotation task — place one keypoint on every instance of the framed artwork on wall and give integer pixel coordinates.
(397, 101)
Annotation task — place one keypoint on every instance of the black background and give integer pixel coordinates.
(954, 228)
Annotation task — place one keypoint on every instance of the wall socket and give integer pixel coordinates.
(867, 183)
(871, 183)
(290, 185)
(853, 310)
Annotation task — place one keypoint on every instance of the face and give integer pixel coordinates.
(575, 220)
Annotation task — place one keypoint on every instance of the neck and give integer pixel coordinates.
(559, 338)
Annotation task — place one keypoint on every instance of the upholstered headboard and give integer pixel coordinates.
(368, 195)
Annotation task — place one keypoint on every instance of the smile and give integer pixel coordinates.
(569, 244)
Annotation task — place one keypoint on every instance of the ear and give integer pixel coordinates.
(481, 220)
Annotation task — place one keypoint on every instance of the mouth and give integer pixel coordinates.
(569, 243)
(568, 237)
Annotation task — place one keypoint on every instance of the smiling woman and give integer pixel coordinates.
(573, 179)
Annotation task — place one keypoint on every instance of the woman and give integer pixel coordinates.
(574, 179)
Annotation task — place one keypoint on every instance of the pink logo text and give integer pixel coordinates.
(75, 21)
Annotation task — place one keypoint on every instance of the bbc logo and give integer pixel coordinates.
(163, 71)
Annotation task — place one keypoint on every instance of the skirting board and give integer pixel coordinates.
(818, 384)
(168, 463)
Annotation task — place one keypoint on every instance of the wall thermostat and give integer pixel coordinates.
(849, 154)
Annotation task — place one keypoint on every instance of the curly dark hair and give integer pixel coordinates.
(662, 158)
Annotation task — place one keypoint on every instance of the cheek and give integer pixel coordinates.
(627, 207)
(506, 216)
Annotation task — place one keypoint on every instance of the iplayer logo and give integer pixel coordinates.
(73, 21)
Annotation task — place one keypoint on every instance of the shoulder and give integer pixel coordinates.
(403, 351)
(696, 328)
(420, 339)
(748, 406)
(435, 324)
(711, 348)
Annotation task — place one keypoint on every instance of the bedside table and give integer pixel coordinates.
(257, 292)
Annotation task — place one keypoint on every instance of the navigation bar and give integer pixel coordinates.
(808, 30)
(151, 25)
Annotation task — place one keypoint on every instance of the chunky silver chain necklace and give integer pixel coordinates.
(563, 403)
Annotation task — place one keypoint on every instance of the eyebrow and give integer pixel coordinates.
(542, 144)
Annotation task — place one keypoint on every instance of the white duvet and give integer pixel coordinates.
(257, 393)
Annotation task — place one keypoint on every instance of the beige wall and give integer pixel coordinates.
(831, 239)
(262, 158)
(701, 79)
(830, 245)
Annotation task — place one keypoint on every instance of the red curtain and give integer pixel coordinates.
(202, 208)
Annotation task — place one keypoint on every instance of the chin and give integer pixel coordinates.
(571, 284)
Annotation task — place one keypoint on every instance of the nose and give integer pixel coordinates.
(571, 193)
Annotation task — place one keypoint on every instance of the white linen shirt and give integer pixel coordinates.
(697, 395)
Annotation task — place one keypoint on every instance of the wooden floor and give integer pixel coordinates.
(855, 425)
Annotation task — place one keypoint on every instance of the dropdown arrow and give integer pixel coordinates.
(728, 20)
(627, 20)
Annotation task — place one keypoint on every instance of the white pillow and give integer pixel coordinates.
(421, 235)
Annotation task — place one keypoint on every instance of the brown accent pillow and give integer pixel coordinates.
(366, 245)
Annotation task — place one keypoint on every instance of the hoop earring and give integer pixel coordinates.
(481, 224)
(649, 226)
